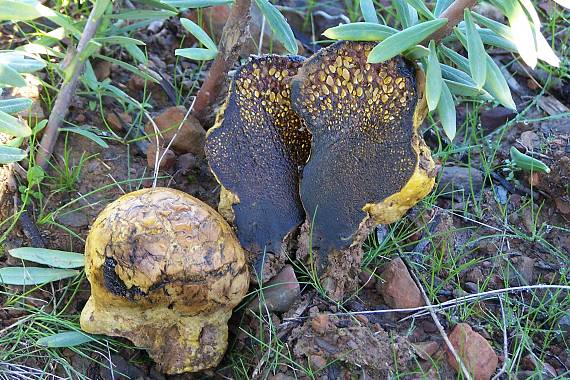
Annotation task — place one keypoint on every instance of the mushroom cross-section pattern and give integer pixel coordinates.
(255, 151)
(367, 159)
(165, 270)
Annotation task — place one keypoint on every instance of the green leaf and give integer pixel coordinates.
(497, 86)
(91, 48)
(197, 32)
(141, 14)
(417, 52)
(407, 14)
(12, 126)
(278, 25)
(434, 81)
(10, 154)
(441, 6)
(456, 58)
(65, 339)
(360, 31)
(16, 10)
(157, 4)
(528, 163)
(198, 54)
(10, 77)
(21, 62)
(51, 257)
(403, 40)
(127, 67)
(87, 134)
(33, 275)
(522, 29)
(421, 7)
(471, 91)
(15, 105)
(452, 73)
(490, 37)
(120, 40)
(446, 112)
(136, 52)
(100, 7)
(475, 51)
(196, 3)
(368, 11)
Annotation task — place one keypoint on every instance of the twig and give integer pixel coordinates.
(505, 342)
(61, 105)
(234, 35)
(454, 15)
(442, 332)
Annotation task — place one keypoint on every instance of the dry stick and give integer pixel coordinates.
(505, 342)
(61, 105)
(442, 332)
(234, 34)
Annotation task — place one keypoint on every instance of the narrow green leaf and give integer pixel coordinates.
(360, 31)
(141, 14)
(407, 14)
(564, 3)
(522, 30)
(10, 154)
(417, 52)
(65, 339)
(197, 32)
(471, 91)
(528, 163)
(403, 40)
(497, 86)
(127, 67)
(21, 62)
(15, 105)
(368, 11)
(446, 112)
(136, 52)
(33, 275)
(441, 6)
(448, 72)
(100, 8)
(434, 81)
(51, 257)
(456, 58)
(475, 51)
(87, 134)
(196, 3)
(490, 37)
(16, 10)
(545, 52)
(278, 25)
(10, 77)
(12, 126)
(198, 54)
(157, 4)
(421, 7)
(120, 40)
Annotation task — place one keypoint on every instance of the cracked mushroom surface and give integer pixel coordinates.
(255, 150)
(166, 270)
(368, 164)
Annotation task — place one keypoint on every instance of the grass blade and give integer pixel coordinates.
(199, 33)
(360, 31)
(403, 40)
(434, 81)
(51, 257)
(33, 276)
(368, 11)
(446, 112)
(278, 25)
(497, 86)
(475, 51)
(87, 134)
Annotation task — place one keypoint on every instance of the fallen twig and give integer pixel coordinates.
(61, 105)
(505, 342)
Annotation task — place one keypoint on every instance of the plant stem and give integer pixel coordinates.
(454, 15)
(234, 34)
(61, 105)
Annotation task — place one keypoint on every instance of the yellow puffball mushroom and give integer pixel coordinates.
(166, 270)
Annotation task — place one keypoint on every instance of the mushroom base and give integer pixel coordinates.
(177, 342)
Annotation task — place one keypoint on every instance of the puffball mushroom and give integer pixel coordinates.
(368, 164)
(166, 270)
(255, 150)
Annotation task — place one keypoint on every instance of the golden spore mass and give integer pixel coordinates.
(363, 121)
(256, 149)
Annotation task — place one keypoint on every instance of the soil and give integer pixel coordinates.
(317, 332)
